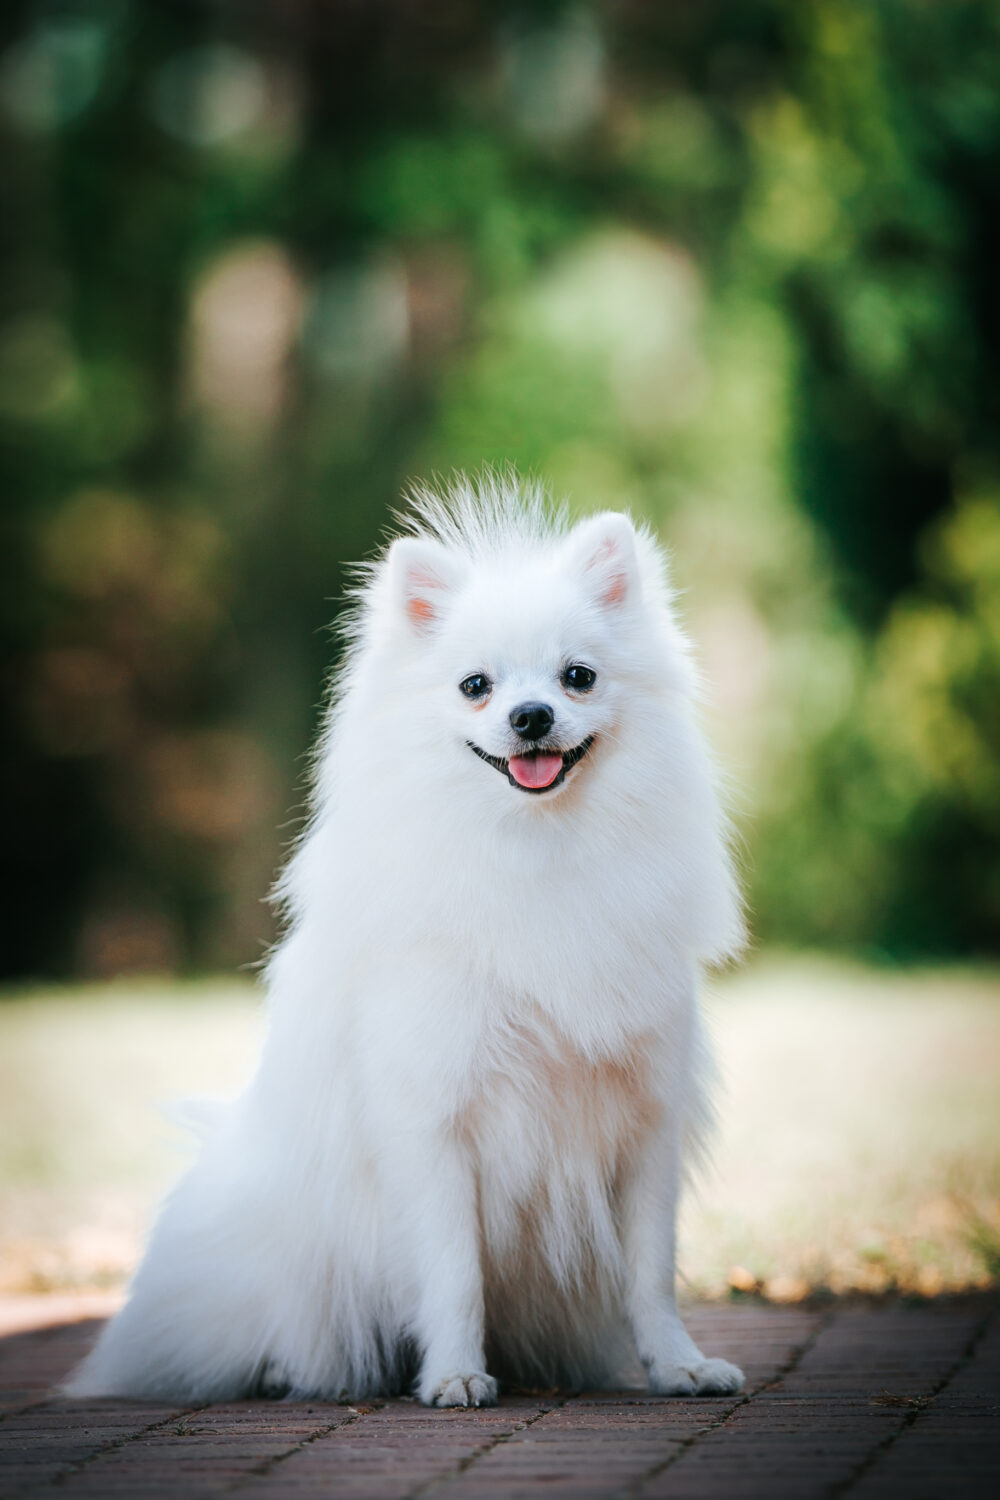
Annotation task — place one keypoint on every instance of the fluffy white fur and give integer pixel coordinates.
(484, 1073)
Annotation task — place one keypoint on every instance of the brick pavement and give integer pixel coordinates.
(874, 1401)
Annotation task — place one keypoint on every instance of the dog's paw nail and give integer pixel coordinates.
(703, 1377)
(464, 1390)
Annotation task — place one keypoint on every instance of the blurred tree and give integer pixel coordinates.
(730, 265)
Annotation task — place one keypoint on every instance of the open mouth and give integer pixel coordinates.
(536, 770)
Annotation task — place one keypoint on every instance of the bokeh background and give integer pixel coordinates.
(731, 265)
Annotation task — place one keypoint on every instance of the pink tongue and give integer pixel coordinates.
(535, 770)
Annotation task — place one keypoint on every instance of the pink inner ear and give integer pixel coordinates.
(617, 584)
(420, 611)
(419, 608)
(616, 590)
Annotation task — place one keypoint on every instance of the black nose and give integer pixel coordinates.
(532, 721)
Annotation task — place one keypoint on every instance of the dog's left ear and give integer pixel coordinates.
(602, 550)
(423, 575)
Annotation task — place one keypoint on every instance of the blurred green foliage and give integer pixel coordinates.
(730, 265)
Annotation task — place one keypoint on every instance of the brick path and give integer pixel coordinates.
(861, 1400)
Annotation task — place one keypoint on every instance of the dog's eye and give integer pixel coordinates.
(476, 686)
(580, 678)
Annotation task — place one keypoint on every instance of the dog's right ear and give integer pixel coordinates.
(423, 575)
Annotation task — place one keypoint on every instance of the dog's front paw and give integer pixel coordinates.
(478, 1389)
(696, 1377)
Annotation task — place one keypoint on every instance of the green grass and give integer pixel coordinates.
(858, 1148)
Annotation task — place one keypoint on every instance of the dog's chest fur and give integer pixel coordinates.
(552, 1134)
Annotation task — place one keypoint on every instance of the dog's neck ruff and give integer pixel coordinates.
(569, 760)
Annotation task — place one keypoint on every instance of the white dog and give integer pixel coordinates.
(483, 1079)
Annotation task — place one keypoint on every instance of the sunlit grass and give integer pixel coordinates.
(859, 1143)
(86, 1148)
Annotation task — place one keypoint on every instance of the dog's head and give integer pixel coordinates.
(529, 657)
